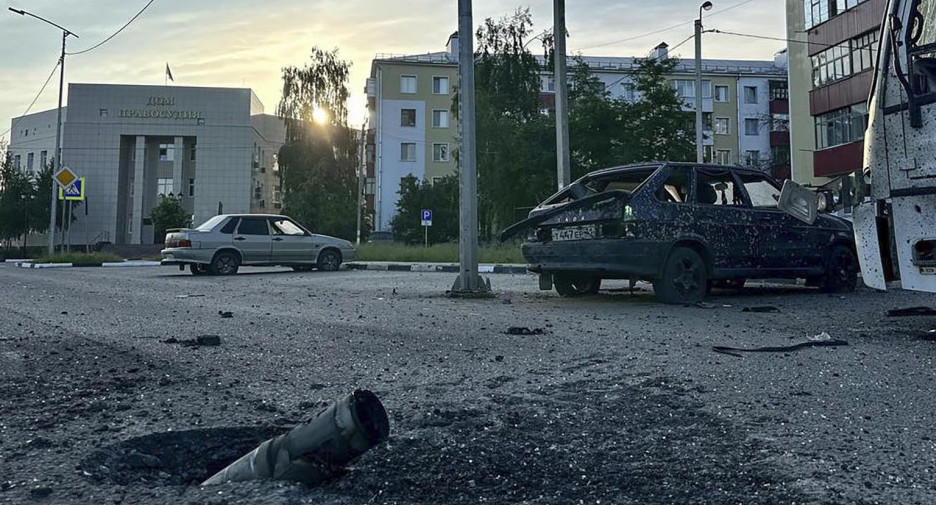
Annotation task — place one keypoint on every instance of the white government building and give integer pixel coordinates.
(214, 148)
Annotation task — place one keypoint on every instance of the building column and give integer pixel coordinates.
(136, 224)
(177, 167)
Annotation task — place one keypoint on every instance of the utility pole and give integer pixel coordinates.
(57, 156)
(698, 82)
(468, 282)
(562, 96)
(362, 172)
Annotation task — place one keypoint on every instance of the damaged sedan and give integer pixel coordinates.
(683, 227)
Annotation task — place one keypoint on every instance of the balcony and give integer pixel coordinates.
(838, 160)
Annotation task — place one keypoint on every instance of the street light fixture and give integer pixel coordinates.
(706, 6)
(56, 158)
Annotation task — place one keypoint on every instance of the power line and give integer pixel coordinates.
(770, 38)
(34, 99)
(115, 33)
(661, 30)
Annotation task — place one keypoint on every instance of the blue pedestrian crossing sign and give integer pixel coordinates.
(74, 191)
(425, 216)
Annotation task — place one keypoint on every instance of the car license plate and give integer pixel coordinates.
(574, 233)
(928, 270)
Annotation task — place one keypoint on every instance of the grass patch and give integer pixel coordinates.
(96, 257)
(438, 253)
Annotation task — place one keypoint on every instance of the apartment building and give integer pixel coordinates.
(412, 133)
(830, 78)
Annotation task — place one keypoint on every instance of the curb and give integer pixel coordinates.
(434, 267)
(122, 264)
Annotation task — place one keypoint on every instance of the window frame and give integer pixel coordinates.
(727, 93)
(755, 99)
(747, 129)
(403, 152)
(403, 90)
(404, 113)
(448, 154)
(727, 126)
(446, 113)
(250, 219)
(448, 85)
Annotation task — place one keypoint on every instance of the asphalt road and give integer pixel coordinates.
(619, 400)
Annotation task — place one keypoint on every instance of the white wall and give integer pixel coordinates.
(759, 111)
(392, 169)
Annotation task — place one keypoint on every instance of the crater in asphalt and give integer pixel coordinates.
(174, 458)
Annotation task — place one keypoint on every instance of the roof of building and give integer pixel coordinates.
(616, 63)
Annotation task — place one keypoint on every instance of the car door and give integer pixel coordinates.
(723, 218)
(252, 238)
(784, 242)
(290, 243)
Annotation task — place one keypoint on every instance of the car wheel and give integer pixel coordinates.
(576, 285)
(684, 279)
(302, 268)
(198, 269)
(225, 263)
(841, 275)
(329, 261)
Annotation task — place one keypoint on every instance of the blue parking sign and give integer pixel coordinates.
(425, 216)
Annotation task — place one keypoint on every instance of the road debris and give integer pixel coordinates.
(732, 351)
(523, 330)
(188, 296)
(199, 341)
(706, 305)
(912, 311)
(225, 314)
(316, 451)
(761, 308)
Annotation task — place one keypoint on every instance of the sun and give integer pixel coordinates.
(319, 115)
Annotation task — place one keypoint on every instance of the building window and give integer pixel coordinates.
(30, 157)
(16, 162)
(408, 151)
(166, 152)
(841, 126)
(751, 126)
(707, 121)
(629, 91)
(750, 94)
(550, 83)
(440, 85)
(722, 126)
(408, 117)
(723, 156)
(685, 88)
(752, 158)
(164, 187)
(191, 187)
(845, 59)
(408, 84)
(440, 118)
(192, 154)
(721, 94)
(817, 12)
(440, 152)
(43, 159)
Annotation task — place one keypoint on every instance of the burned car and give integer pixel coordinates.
(685, 228)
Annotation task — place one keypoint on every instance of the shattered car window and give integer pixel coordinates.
(762, 193)
(675, 189)
(717, 188)
(625, 181)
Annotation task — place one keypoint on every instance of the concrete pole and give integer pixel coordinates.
(698, 88)
(362, 172)
(468, 280)
(562, 96)
(56, 160)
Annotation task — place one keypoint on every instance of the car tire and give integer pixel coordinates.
(841, 275)
(684, 278)
(329, 261)
(302, 268)
(198, 269)
(576, 285)
(225, 263)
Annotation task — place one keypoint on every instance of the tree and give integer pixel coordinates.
(16, 187)
(168, 213)
(441, 197)
(319, 160)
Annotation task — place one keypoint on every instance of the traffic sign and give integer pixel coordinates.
(64, 177)
(425, 216)
(74, 191)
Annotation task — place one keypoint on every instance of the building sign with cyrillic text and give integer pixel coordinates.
(156, 110)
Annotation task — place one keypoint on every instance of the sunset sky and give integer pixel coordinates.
(240, 43)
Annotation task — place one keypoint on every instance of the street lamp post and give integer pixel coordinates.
(698, 81)
(56, 163)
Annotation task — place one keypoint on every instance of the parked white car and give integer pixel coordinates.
(223, 243)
